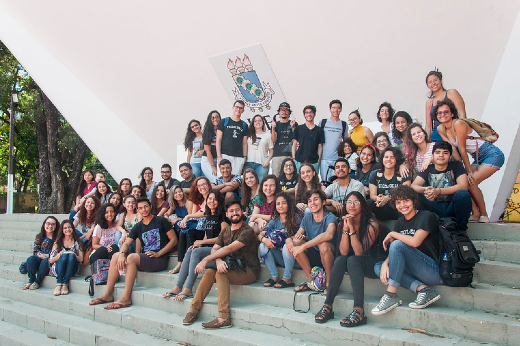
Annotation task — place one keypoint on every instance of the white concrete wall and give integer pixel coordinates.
(142, 67)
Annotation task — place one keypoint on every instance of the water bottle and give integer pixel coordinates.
(445, 266)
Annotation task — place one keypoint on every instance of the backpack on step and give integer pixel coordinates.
(457, 255)
(99, 270)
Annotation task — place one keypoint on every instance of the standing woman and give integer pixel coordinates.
(147, 182)
(487, 158)
(193, 143)
(38, 263)
(84, 220)
(259, 147)
(359, 134)
(348, 149)
(159, 203)
(263, 210)
(401, 122)
(308, 181)
(214, 224)
(438, 93)
(208, 162)
(384, 181)
(366, 164)
(86, 186)
(65, 257)
(285, 218)
(360, 248)
(417, 148)
(384, 115)
(103, 191)
(125, 187)
(250, 187)
(104, 237)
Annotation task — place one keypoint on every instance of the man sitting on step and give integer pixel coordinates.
(233, 260)
(157, 238)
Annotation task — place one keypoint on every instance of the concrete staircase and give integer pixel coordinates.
(485, 314)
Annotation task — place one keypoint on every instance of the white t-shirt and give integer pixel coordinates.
(196, 146)
(259, 150)
(106, 236)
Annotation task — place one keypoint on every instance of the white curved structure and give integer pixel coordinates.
(142, 68)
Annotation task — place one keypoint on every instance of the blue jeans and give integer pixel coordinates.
(37, 269)
(459, 207)
(489, 155)
(197, 170)
(273, 256)
(410, 267)
(191, 259)
(66, 267)
(259, 169)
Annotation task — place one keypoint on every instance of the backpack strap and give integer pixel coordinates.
(322, 123)
(226, 120)
(344, 123)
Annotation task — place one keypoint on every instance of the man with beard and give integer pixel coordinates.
(236, 246)
(282, 133)
(337, 191)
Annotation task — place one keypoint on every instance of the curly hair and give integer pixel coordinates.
(390, 111)
(446, 102)
(100, 216)
(302, 186)
(399, 159)
(83, 216)
(341, 146)
(291, 223)
(404, 192)
(400, 114)
(190, 135)
(194, 195)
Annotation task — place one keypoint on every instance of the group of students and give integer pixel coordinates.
(223, 224)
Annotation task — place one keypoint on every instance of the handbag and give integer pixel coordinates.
(23, 268)
(233, 263)
(277, 236)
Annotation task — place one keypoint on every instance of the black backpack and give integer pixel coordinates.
(455, 268)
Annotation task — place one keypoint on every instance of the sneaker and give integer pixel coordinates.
(425, 298)
(386, 304)
(215, 324)
(483, 219)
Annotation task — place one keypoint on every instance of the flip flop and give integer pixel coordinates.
(283, 284)
(302, 287)
(174, 271)
(181, 296)
(116, 305)
(98, 301)
(169, 294)
(269, 283)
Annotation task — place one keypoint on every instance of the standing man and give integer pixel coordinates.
(443, 186)
(313, 244)
(237, 241)
(186, 172)
(343, 186)
(334, 131)
(308, 141)
(167, 182)
(157, 238)
(282, 134)
(232, 135)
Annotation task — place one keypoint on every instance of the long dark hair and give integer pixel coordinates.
(83, 183)
(190, 135)
(119, 187)
(246, 190)
(263, 197)
(83, 216)
(59, 238)
(399, 159)
(43, 234)
(367, 220)
(437, 74)
(401, 114)
(220, 203)
(100, 217)
(341, 146)
(410, 148)
(124, 211)
(209, 132)
(390, 111)
(109, 189)
(281, 176)
(302, 186)
(143, 191)
(291, 223)
(153, 200)
(374, 155)
(143, 182)
(252, 131)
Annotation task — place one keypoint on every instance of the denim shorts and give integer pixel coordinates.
(489, 155)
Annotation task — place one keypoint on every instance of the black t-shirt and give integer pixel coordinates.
(212, 225)
(384, 185)
(172, 182)
(232, 134)
(284, 137)
(213, 145)
(152, 236)
(288, 184)
(364, 177)
(424, 220)
(308, 141)
(440, 179)
(186, 184)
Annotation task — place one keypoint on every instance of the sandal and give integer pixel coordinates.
(64, 289)
(269, 283)
(283, 284)
(26, 286)
(324, 314)
(302, 287)
(34, 286)
(57, 290)
(355, 318)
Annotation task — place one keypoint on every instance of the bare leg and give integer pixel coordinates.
(132, 263)
(327, 258)
(480, 174)
(113, 276)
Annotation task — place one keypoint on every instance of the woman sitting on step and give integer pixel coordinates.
(104, 236)
(65, 257)
(360, 248)
(215, 222)
(38, 263)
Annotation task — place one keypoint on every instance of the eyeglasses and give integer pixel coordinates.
(234, 211)
(239, 108)
(352, 202)
(50, 224)
(148, 173)
(194, 126)
(381, 141)
(433, 81)
(288, 165)
(203, 184)
(259, 120)
(444, 113)
(165, 172)
(215, 117)
(352, 120)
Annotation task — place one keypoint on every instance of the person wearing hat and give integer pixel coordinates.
(282, 134)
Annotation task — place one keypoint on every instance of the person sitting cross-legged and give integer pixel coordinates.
(237, 245)
(312, 244)
(443, 186)
(157, 238)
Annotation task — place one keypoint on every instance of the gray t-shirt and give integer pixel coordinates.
(313, 228)
(338, 193)
(333, 137)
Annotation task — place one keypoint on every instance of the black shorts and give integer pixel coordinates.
(314, 257)
(152, 264)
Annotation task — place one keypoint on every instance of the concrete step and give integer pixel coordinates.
(499, 231)
(254, 324)
(13, 335)
(506, 251)
(497, 273)
(23, 235)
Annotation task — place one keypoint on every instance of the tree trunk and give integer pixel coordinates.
(43, 175)
(75, 174)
